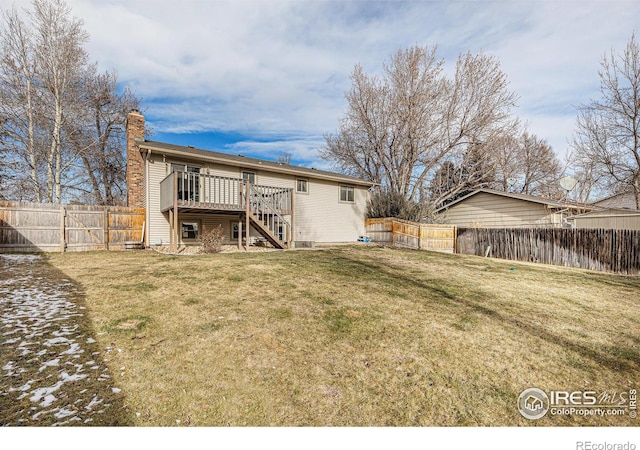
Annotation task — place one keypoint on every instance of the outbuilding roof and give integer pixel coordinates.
(523, 197)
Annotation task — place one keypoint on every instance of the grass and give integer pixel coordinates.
(355, 336)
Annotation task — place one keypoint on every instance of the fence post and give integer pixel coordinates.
(105, 227)
(393, 233)
(63, 215)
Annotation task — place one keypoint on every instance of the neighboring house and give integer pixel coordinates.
(608, 219)
(187, 190)
(623, 200)
(488, 208)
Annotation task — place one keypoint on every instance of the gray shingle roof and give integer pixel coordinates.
(524, 197)
(247, 162)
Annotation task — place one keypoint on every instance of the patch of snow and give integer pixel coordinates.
(52, 363)
(24, 387)
(56, 341)
(39, 319)
(74, 349)
(20, 259)
(68, 378)
(64, 413)
(44, 396)
(95, 401)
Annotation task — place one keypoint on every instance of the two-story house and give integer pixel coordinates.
(186, 190)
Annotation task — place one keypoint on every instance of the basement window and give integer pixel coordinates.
(189, 230)
(347, 194)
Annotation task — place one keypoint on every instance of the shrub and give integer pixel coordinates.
(212, 239)
(385, 203)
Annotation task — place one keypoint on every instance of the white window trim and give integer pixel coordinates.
(353, 190)
(306, 180)
(255, 175)
(198, 222)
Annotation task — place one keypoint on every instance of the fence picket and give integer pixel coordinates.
(35, 227)
(596, 249)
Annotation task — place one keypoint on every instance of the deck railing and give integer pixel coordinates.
(198, 190)
(269, 205)
(277, 198)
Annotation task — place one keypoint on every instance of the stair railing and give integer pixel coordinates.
(263, 208)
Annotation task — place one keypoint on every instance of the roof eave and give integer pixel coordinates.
(251, 164)
(506, 194)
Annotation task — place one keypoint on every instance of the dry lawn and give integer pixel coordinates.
(354, 336)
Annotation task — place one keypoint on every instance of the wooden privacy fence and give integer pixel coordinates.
(402, 233)
(38, 227)
(595, 249)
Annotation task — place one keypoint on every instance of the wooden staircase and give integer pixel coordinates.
(265, 213)
(266, 232)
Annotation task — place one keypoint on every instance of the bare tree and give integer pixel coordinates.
(606, 142)
(96, 131)
(475, 170)
(285, 158)
(506, 157)
(61, 58)
(526, 164)
(62, 123)
(18, 99)
(541, 168)
(400, 127)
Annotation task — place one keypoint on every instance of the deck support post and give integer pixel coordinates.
(240, 235)
(247, 193)
(171, 230)
(291, 225)
(176, 241)
(173, 247)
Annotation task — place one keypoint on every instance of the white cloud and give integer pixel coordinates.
(281, 68)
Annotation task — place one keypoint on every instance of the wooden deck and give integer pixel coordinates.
(268, 209)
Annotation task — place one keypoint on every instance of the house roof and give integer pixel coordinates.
(523, 197)
(624, 200)
(246, 162)
(609, 212)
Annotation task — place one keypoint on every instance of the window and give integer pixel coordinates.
(281, 235)
(249, 176)
(189, 229)
(347, 194)
(302, 186)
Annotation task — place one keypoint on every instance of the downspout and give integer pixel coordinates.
(146, 197)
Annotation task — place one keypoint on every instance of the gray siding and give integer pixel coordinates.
(319, 216)
(609, 220)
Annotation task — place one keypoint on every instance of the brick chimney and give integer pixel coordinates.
(135, 164)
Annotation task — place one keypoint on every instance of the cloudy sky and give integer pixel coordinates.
(267, 77)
